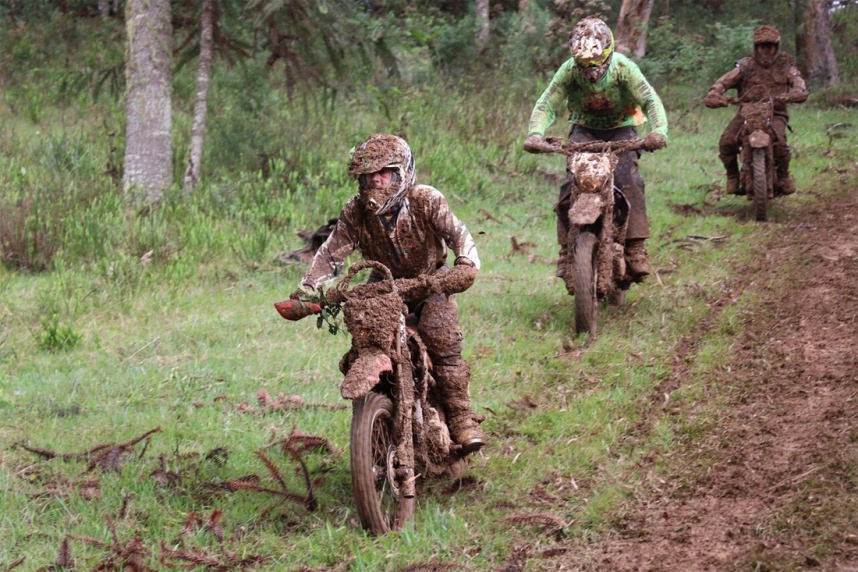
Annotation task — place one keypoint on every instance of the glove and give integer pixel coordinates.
(793, 97)
(414, 288)
(454, 280)
(714, 100)
(654, 141)
(535, 143)
(304, 291)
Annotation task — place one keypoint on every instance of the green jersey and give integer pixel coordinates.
(622, 97)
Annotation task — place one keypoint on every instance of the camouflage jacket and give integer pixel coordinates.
(411, 241)
(781, 78)
(619, 99)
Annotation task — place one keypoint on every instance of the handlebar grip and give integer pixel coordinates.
(294, 310)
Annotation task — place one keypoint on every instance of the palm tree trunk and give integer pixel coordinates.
(198, 130)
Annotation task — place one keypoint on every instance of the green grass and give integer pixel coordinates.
(181, 342)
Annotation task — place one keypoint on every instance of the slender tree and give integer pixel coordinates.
(198, 129)
(104, 8)
(482, 25)
(632, 26)
(148, 78)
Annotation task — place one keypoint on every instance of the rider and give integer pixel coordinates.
(607, 96)
(775, 71)
(408, 227)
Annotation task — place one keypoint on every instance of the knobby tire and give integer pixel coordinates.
(372, 434)
(761, 190)
(584, 279)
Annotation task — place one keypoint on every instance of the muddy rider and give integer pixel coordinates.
(409, 228)
(775, 71)
(607, 96)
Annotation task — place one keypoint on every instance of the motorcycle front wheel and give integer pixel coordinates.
(584, 279)
(761, 189)
(372, 440)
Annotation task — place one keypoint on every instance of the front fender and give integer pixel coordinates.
(759, 139)
(586, 209)
(365, 373)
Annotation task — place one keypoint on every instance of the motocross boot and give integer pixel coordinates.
(464, 429)
(784, 185)
(638, 267)
(467, 432)
(562, 263)
(733, 182)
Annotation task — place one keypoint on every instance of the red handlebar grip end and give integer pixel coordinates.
(294, 310)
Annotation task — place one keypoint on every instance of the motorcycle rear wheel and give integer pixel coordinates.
(761, 190)
(584, 279)
(372, 436)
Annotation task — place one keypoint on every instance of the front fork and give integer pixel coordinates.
(401, 459)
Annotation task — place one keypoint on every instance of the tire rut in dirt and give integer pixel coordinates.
(584, 279)
(372, 435)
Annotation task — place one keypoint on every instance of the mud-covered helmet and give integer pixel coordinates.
(766, 34)
(592, 44)
(384, 151)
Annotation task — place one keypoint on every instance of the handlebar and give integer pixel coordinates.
(295, 308)
(733, 100)
(562, 147)
(757, 94)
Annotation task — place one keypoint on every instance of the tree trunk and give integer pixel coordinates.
(632, 25)
(104, 8)
(148, 76)
(198, 130)
(482, 25)
(819, 58)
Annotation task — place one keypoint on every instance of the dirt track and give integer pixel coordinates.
(774, 484)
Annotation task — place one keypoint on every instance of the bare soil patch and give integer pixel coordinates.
(773, 483)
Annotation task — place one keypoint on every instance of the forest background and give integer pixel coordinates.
(136, 294)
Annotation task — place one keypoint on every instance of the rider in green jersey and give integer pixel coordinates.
(607, 97)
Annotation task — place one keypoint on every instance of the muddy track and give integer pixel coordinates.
(771, 483)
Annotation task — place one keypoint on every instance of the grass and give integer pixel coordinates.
(185, 341)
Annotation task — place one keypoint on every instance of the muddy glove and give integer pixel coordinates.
(535, 143)
(414, 288)
(303, 292)
(714, 100)
(654, 141)
(454, 280)
(792, 97)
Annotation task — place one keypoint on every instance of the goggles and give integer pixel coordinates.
(591, 62)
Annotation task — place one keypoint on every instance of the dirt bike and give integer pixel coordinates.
(757, 173)
(598, 217)
(398, 431)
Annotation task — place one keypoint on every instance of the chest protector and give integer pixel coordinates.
(775, 79)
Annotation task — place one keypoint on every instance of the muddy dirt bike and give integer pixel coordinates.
(398, 430)
(598, 217)
(757, 173)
